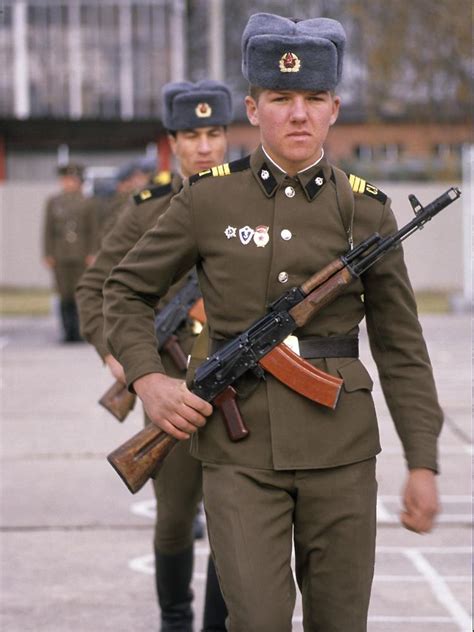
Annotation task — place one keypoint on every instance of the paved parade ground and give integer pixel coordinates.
(76, 545)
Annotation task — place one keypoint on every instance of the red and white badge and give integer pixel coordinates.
(261, 236)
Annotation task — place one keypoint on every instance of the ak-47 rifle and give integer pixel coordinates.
(141, 457)
(186, 303)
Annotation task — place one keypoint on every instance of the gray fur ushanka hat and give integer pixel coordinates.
(188, 105)
(281, 54)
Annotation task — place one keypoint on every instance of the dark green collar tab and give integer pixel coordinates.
(314, 185)
(267, 179)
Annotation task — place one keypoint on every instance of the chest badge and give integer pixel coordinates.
(245, 234)
(230, 231)
(289, 62)
(261, 236)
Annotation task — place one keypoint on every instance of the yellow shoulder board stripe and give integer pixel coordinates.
(145, 195)
(162, 177)
(225, 169)
(220, 170)
(359, 185)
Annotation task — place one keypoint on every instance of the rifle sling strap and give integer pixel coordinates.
(345, 202)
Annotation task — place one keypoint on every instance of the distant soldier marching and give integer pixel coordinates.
(70, 242)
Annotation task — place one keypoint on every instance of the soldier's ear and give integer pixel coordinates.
(252, 110)
(172, 142)
(336, 104)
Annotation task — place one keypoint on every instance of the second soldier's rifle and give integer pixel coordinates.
(185, 303)
(140, 457)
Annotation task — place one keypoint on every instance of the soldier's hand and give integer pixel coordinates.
(115, 368)
(170, 405)
(420, 500)
(89, 260)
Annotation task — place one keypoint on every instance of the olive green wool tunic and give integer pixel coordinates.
(253, 232)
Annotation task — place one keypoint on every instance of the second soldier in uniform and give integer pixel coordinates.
(195, 116)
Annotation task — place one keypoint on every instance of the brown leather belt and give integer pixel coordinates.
(317, 346)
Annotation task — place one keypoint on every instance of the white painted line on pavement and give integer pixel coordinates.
(447, 451)
(419, 578)
(146, 508)
(445, 498)
(383, 514)
(144, 564)
(425, 549)
(440, 589)
(387, 516)
(397, 619)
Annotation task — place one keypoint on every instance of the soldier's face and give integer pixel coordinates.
(199, 149)
(70, 184)
(293, 124)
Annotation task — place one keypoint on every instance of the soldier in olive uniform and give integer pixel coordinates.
(254, 228)
(70, 241)
(131, 177)
(198, 142)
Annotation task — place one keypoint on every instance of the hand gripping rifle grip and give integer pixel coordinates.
(141, 457)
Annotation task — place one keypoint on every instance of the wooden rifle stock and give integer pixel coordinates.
(118, 400)
(141, 457)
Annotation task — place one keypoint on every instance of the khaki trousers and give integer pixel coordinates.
(178, 486)
(254, 515)
(178, 491)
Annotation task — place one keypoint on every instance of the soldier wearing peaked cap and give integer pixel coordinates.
(255, 228)
(69, 242)
(198, 142)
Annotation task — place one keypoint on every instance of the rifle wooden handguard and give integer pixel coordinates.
(301, 376)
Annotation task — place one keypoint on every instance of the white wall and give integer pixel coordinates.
(21, 223)
(434, 255)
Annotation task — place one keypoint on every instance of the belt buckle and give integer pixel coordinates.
(293, 343)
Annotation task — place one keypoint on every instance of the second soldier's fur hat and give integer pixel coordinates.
(188, 105)
(283, 54)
